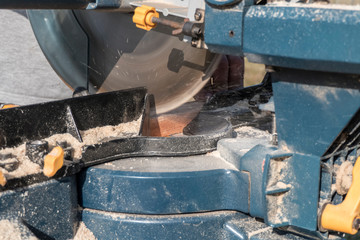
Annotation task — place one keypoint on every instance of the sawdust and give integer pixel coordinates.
(100, 134)
(90, 137)
(343, 177)
(261, 230)
(26, 166)
(282, 185)
(83, 233)
(251, 132)
(11, 231)
(126, 216)
(70, 140)
(278, 170)
(238, 106)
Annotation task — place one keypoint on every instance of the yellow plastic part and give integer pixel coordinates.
(53, 161)
(4, 106)
(143, 15)
(2, 179)
(341, 217)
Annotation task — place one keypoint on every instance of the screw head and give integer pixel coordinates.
(197, 16)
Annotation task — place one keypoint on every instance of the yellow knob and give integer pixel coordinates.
(143, 15)
(342, 217)
(2, 179)
(53, 161)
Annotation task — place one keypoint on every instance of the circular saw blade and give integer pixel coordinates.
(121, 56)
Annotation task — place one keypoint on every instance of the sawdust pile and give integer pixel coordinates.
(251, 132)
(26, 167)
(99, 134)
(90, 137)
(83, 233)
(343, 177)
(70, 140)
(11, 231)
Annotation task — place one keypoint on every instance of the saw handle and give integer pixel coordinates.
(147, 18)
(345, 217)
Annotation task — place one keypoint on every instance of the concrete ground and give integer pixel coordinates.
(25, 75)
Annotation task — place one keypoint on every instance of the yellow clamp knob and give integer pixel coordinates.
(2, 179)
(53, 161)
(143, 15)
(345, 216)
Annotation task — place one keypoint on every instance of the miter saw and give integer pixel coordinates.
(296, 180)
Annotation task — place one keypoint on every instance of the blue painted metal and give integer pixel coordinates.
(236, 151)
(284, 187)
(294, 36)
(110, 193)
(253, 163)
(223, 29)
(312, 108)
(47, 209)
(233, 150)
(138, 190)
(222, 225)
(298, 36)
(291, 190)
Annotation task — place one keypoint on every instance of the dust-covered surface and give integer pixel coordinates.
(83, 233)
(210, 161)
(126, 216)
(246, 138)
(26, 167)
(238, 106)
(90, 137)
(168, 164)
(277, 171)
(96, 135)
(70, 140)
(10, 230)
(99, 134)
(259, 230)
(251, 132)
